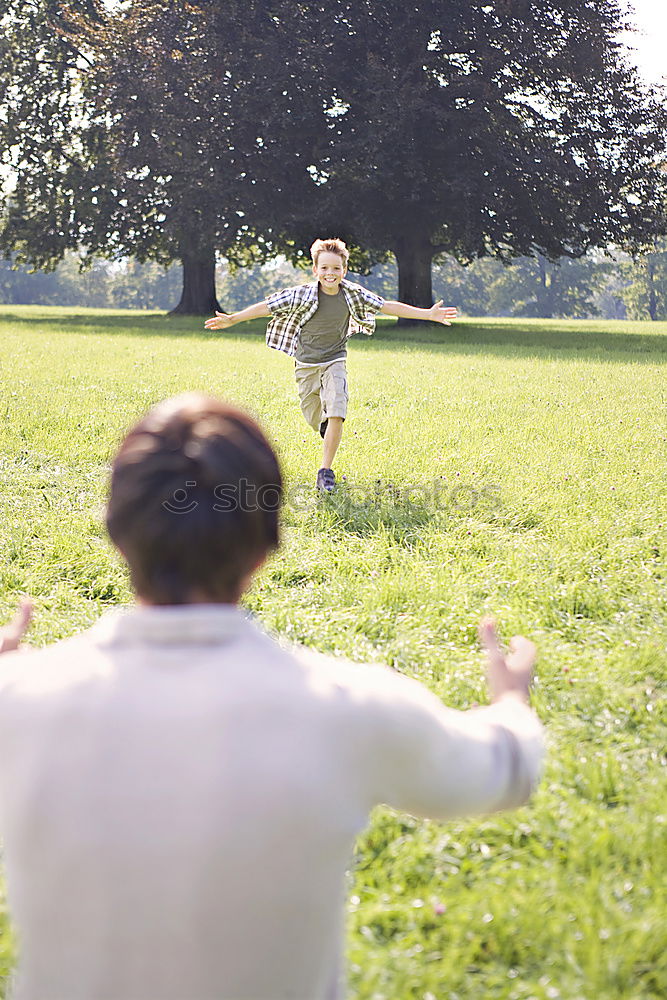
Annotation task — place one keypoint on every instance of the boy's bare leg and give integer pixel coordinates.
(332, 436)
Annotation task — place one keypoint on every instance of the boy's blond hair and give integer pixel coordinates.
(330, 245)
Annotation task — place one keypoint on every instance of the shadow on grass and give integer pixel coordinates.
(597, 339)
(397, 517)
(406, 512)
(129, 323)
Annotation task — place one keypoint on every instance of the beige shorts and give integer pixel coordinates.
(322, 391)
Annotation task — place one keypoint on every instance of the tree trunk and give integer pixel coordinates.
(545, 297)
(652, 298)
(414, 258)
(198, 297)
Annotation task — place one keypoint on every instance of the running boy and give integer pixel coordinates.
(312, 324)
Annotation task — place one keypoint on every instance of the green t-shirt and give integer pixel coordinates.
(324, 337)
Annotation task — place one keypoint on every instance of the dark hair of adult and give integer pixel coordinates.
(194, 501)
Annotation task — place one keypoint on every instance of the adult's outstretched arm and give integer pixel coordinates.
(437, 762)
(11, 635)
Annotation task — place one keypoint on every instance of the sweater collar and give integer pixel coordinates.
(177, 625)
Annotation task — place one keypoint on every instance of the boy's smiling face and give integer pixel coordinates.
(329, 271)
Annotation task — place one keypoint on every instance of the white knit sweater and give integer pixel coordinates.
(179, 795)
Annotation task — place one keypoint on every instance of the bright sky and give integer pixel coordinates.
(650, 39)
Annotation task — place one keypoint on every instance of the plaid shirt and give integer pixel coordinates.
(293, 307)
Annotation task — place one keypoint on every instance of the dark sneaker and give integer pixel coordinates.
(323, 428)
(326, 480)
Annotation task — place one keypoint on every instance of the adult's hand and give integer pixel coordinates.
(507, 674)
(11, 635)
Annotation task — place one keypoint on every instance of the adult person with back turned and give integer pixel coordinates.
(179, 794)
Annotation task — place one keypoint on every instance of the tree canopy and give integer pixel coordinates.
(183, 122)
(504, 127)
(172, 130)
(40, 120)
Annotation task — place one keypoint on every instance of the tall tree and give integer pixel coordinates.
(645, 294)
(500, 127)
(535, 286)
(185, 128)
(40, 119)
(469, 127)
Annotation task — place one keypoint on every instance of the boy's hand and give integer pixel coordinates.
(507, 674)
(220, 321)
(11, 635)
(438, 314)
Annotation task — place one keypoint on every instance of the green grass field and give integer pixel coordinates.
(499, 466)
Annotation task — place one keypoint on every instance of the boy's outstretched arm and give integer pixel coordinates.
(222, 320)
(436, 314)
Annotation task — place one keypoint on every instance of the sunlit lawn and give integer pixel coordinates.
(511, 467)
